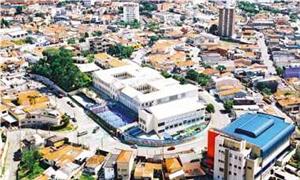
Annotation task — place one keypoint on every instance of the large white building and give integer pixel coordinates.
(249, 147)
(160, 102)
(131, 12)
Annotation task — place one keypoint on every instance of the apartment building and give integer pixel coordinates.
(131, 12)
(248, 147)
(226, 21)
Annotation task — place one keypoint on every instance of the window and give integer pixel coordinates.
(230, 164)
(161, 124)
(250, 168)
(235, 166)
(221, 169)
(229, 172)
(234, 174)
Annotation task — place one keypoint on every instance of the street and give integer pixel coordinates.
(265, 56)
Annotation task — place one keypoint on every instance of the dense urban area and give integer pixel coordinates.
(150, 89)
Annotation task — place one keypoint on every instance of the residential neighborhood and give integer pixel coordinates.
(150, 89)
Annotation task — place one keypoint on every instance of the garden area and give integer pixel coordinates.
(295, 160)
(57, 65)
(30, 166)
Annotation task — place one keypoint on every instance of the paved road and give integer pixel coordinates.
(218, 120)
(265, 56)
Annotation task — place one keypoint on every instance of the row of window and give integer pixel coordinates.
(184, 122)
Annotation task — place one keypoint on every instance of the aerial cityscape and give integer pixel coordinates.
(150, 89)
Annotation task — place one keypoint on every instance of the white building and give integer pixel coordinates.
(89, 3)
(151, 95)
(184, 113)
(131, 12)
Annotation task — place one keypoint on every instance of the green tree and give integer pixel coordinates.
(266, 91)
(29, 40)
(201, 79)
(279, 71)
(96, 33)
(152, 40)
(91, 58)
(81, 39)
(135, 24)
(153, 26)
(147, 6)
(228, 105)
(210, 108)
(221, 68)
(19, 10)
(58, 66)
(213, 29)
(29, 158)
(165, 74)
(120, 51)
(297, 154)
(4, 23)
(71, 41)
(192, 75)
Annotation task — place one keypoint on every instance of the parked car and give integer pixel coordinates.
(17, 155)
(171, 148)
(82, 133)
(96, 129)
(134, 146)
(71, 104)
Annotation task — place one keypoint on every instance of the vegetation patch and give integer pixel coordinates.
(57, 65)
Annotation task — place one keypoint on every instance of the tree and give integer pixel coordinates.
(279, 71)
(91, 58)
(19, 10)
(86, 35)
(210, 108)
(213, 29)
(297, 154)
(152, 40)
(201, 79)
(221, 68)
(58, 66)
(192, 75)
(96, 33)
(153, 26)
(165, 74)
(71, 41)
(81, 39)
(29, 158)
(29, 40)
(120, 51)
(228, 105)
(4, 23)
(147, 6)
(135, 24)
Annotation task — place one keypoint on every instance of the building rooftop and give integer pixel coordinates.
(124, 156)
(178, 107)
(95, 161)
(62, 155)
(263, 130)
(146, 170)
(172, 165)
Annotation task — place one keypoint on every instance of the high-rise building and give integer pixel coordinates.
(249, 146)
(226, 20)
(131, 12)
